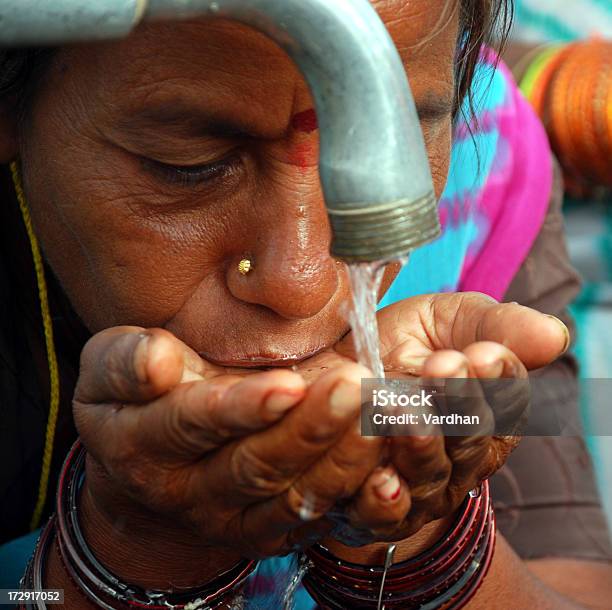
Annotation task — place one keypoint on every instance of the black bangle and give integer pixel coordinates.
(34, 574)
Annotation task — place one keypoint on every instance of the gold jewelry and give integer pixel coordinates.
(245, 266)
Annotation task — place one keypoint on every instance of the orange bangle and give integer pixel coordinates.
(541, 86)
(573, 98)
(595, 108)
(557, 103)
(601, 65)
(583, 137)
(602, 109)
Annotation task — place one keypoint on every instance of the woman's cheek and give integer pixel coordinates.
(122, 249)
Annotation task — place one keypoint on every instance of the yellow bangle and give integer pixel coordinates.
(520, 66)
(535, 69)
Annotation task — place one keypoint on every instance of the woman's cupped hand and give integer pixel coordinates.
(257, 461)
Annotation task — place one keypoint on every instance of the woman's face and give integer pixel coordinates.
(155, 164)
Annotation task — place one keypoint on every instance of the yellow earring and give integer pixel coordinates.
(245, 266)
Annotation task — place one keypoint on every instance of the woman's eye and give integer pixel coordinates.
(192, 175)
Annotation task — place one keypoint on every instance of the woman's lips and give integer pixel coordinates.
(259, 361)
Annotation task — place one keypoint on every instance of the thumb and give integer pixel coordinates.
(417, 326)
(536, 338)
(130, 364)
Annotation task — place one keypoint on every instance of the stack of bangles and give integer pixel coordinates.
(447, 576)
(570, 87)
(98, 585)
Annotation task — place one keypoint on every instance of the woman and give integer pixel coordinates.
(172, 180)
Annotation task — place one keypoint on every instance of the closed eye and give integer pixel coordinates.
(193, 175)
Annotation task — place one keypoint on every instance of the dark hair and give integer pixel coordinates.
(480, 22)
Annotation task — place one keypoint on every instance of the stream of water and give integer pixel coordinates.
(365, 281)
(365, 284)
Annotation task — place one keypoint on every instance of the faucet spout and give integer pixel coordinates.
(374, 168)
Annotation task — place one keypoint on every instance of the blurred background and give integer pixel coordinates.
(588, 210)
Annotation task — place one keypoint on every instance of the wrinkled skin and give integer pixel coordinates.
(133, 242)
(145, 197)
(231, 467)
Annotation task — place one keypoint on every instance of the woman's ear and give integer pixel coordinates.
(8, 131)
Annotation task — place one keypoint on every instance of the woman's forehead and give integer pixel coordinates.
(216, 61)
(410, 23)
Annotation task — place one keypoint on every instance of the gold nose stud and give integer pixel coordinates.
(245, 266)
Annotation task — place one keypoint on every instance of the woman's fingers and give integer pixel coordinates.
(447, 364)
(267, 463)
(129, 364)
(198, 417)
(500, 399)
(489, 360)
(499, 405)
(414, 328)
(336, 476)
(424, 464)
(438, 467)
(422, 459)
(460, 396)
(290, 474)
(505, 385)
(382, 504)
(134, 365)
(123, 368)
(537, 339)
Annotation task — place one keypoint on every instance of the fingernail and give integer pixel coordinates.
(380, 476)
(140, 358)
(280, 402)
(307, 509)
(390, 490)
(460, 372)
(493, 369)
(566, 332)
(345, 397)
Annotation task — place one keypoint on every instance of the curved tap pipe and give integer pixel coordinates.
(373, 165)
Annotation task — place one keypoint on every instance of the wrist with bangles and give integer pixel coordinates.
(63, 534)
(446, 576)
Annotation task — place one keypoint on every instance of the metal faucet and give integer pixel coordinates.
(373, 164)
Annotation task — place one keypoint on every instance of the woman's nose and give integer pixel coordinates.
(291, 271)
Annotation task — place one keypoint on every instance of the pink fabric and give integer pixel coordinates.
(515, 198)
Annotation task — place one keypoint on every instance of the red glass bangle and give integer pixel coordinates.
(447, 575)
(464, 522)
